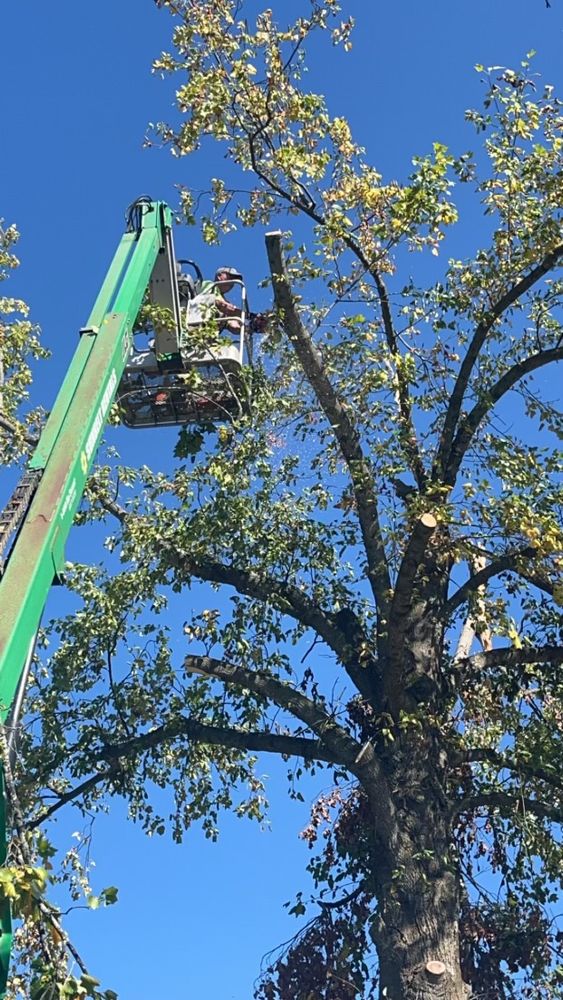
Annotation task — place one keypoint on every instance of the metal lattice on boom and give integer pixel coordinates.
(15, 510)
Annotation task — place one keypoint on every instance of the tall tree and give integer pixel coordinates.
(19, 346)
(385, 523)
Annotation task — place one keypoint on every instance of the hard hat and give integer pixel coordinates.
(231, 273)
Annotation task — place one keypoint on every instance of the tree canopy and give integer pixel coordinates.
(19, 345)
(381, 533)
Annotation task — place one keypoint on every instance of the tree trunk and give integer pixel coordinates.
(417, 938)
(417, 886)
(415, 874)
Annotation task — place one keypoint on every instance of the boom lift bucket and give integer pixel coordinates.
(192, 371)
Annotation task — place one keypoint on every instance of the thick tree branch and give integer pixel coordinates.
(510, 656)
(109, 505)
(234, 739)
(361, 761)
(539, 580)
(344, 749)
(508, 562)
(401, 604)
(471, 422)
(478, 755)
(534, 576)
(345, 432)
(287, 598)
(290, 600)
(71, 795)
(481, 331)
(510, 804)
(408, 435)
(336, 904)
(252, 741)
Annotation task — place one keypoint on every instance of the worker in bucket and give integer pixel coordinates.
(225, 279)
(211, 299)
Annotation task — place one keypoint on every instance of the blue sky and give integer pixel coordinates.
(77, 94)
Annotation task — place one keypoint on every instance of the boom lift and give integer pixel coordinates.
(170, 382)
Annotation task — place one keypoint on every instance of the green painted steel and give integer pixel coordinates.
(101, 306)
(66, 452)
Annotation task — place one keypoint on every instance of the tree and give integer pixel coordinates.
(19, 345)
(389, 501)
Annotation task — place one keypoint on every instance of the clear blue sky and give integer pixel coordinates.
(77, 94)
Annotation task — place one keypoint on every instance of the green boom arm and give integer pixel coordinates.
(63, 459)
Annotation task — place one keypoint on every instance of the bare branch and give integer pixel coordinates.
(287, 598)
(344, 749)
(465, 640)
(443, 457)
(341, 422)
(509, 804)
(471, 422)
(510, 656)
(475, 624)
(504, 564)
(408, 435)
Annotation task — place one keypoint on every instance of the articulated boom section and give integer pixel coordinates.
(166, 384)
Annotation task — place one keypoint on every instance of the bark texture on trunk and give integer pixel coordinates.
(417, 943)
(415, 875)
(416, 934)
